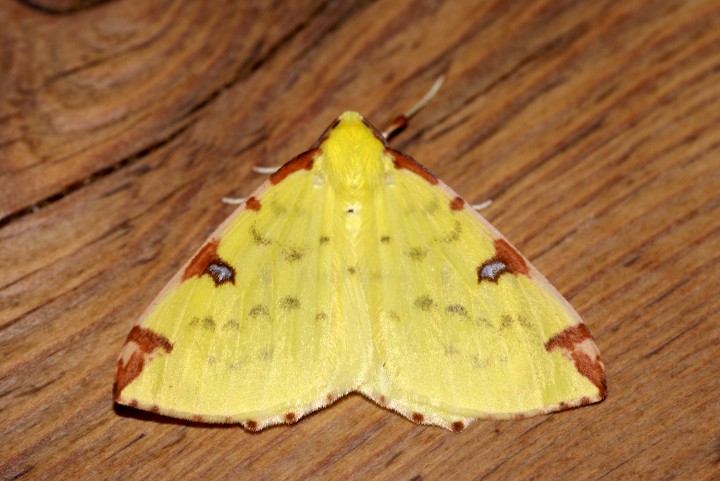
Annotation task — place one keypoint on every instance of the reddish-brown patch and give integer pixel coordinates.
(133, 404)
(457, 426)
(228, 420)
(252, 203)
(509, 257)
(148, 340)
(155, 409)
(290, 417)
(520, 416)
(568, 338)
(564, 406)
(382, 399)
(251, 425)
(395, 127)
(205, 256)
(505, 253)
(568, 341)
(592, 369)
(329, 397)
(147, 343)
(197, 418)
(302, 161)
(457, 204)
(418, 418)
(402, 161)
(127, 372)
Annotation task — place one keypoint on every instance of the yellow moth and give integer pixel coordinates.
(354, 269)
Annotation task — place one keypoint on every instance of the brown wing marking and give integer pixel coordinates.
(578, 345)
(302, 161)
(207, 261)
(506, 260)
(140, 347)
(403, 161)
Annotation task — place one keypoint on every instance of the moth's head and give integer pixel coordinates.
(351, 130)
(353, 153)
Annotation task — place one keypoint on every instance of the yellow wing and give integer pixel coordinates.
(252, 329)
(354, 269)
(463, 326)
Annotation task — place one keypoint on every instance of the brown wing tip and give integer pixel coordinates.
(578, 345)
(139, 348)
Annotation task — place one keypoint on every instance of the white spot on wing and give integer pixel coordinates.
(219, 272)
(493, 270)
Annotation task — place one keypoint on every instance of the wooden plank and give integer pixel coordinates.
(594, 127)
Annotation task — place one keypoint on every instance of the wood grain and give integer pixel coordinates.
(594, 126)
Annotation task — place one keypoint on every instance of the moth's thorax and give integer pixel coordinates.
(353, 159)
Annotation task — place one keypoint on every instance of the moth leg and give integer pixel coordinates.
(482, 205)
(267, 170)
(233, 200)
(258, 169)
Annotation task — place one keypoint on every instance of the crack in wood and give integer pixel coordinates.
(94, 177)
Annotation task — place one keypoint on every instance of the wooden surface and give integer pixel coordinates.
(594, 127)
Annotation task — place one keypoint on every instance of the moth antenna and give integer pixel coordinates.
(401, 122)
(482, 205)
(233, 200)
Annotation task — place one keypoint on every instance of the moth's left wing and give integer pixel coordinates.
(253, 329)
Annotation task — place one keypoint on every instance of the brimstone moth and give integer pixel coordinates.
(353, 268)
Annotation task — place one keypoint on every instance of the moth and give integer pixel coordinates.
(354, 269)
